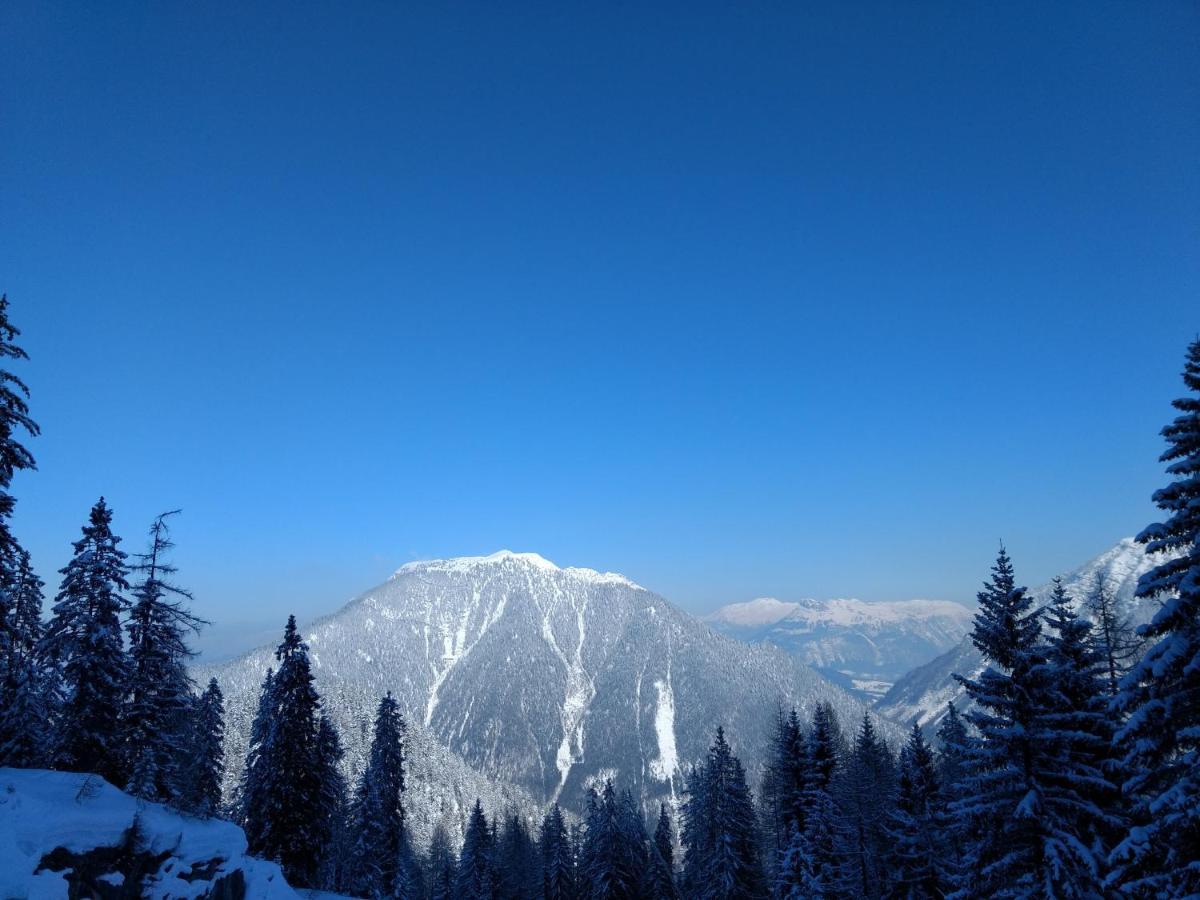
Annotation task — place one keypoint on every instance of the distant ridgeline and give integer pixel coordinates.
(625, 750)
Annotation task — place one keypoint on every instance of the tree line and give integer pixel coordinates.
(1073, 771)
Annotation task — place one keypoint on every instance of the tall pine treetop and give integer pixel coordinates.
(14, 410)
(1007, 623)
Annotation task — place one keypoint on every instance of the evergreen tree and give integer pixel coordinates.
(783, 785)
(916, 830)
(614, 856)
(379, 812)
(720, 834)
(1113, 635)
(441, 866)
(660, 874)
(332, 822)
(14, 418)
(160, 692)
(558, 858)
(287, 822)
(664, 838)
(83, 639)
(863, 793)
(24, 683)
(517, 866)
(475, 879)
(954, 760)
(250, 802)
(1022, 798)
(202, 777)
(1160, 740)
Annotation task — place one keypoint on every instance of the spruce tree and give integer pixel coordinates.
(917, 854)
(614, 856)
(160, 692)
(250, 802)
(1022, 798)
(954, 758)
(25, 702)
(475, 879)
(83, 639)
(863, 792)
(206, 764)
(441, 865)
(518, 872)
(1113, 635)
(660, 872)
(1160, 740)
(558, 858)
(720, 832)
(379, 809)
(783, 785)
(286, 822)
(14, 418)
(333, 805)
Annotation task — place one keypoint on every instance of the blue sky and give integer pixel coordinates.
(739, 300)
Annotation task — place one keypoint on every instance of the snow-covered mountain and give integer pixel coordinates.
(864, 646)
(537, 679)
(922, 694)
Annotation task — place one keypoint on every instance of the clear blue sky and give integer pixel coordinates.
(737, 299)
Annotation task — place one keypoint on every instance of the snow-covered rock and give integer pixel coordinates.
(69, 834)
(523, 681)
(862, 645)
(922, 694)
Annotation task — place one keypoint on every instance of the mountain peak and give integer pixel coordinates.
(472, 564)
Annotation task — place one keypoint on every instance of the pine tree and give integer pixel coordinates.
(155, 717)
(1022, 798)
(720, 832)
(441, 866)
(250, 801)
(954, 759)
(863, 793)
(614, 856)
(517, 866)
(83, 639)
(24, 683)
(1160, 740)
(558, 858)
(475, 879)
(14, 418)
(286, 821)
(202, 776)
(783, 785)
(379, 811)
(333, 808)
(918, 864)
(661, 884)
(1113, 635)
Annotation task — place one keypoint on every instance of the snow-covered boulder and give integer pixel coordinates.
(69, 834)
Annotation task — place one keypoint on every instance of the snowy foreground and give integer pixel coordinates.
(61, 828)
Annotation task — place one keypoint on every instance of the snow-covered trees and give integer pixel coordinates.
(864, 793)
(84, 640)
(917, 853)
(205, 759)
(381, 845)
(475, 877)
(1160, 741)
(26, 701)
(286, 811)
(720, 831)
(558, 857)
(159, 698)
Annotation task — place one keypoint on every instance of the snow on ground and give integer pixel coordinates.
(42, 812)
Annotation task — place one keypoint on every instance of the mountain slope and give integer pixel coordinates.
(865, 646)
(541, 677)
(923, 693)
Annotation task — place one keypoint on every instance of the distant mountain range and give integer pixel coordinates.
(862, 645)
(524, 683)
(922, 694)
